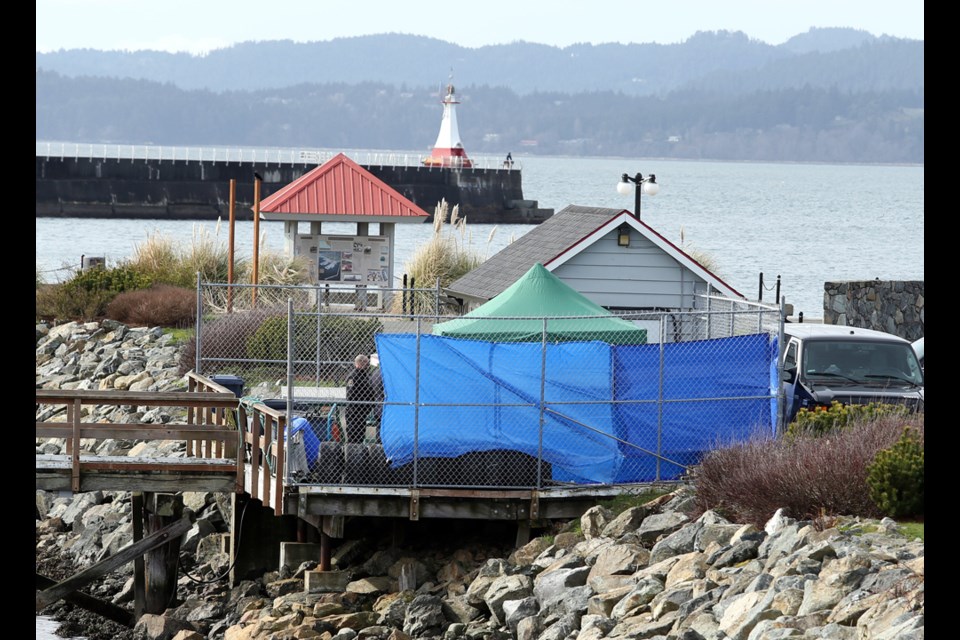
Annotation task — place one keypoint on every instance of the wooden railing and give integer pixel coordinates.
(267, 471)
(214, 457)
(263, 448)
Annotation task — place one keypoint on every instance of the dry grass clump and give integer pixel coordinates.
(447, 256)
(276, 269)
(808, 476)
(167, 261)
(159, 306)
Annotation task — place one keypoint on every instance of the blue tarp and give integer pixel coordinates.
(714, 392)
(482, 396)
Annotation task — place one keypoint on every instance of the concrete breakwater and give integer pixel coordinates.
(657, 571)
(200, 189)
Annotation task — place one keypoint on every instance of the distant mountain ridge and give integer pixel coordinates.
(829, 95)
(416, 61)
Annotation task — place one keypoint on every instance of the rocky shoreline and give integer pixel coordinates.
(657, 571)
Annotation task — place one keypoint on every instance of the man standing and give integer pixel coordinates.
(360, 393)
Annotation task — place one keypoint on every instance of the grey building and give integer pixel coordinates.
(608, 255)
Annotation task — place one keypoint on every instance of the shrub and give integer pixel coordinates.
(807, 475)
(896, 476)
(159, 306)
(86, 295)
(114, 280)
(224, 341)
(254, 343)
(821, 420)
(334, 343)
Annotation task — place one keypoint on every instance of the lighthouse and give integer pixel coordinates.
(448, 150)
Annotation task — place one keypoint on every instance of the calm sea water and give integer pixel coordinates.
(807, 223)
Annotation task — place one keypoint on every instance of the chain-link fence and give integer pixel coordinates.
(386, 395)
(242, 329)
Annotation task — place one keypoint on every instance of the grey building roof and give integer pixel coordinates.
(567, 233)
(541, 244)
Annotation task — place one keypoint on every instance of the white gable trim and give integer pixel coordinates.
(625, 217)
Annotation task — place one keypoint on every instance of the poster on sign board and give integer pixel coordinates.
(347, 259)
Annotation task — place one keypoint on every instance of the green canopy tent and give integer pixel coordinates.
(537, 295)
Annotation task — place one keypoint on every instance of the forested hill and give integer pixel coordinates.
(829, 95)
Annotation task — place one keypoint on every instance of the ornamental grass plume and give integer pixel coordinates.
(446, 256)
(166, 261)
(706, 260)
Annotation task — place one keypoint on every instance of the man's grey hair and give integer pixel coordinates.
(361, 360)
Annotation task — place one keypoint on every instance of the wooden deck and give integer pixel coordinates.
(226, 452)
(211, 459)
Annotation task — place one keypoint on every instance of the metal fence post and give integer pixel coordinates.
(290, 356)
(543, 400)
(416, 410)
(709, 314)
(781, 393)
(196, 356)
(663, 336)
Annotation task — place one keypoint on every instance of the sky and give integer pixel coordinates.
(200, 26)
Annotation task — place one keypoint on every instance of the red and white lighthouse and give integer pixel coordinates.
(448, 150)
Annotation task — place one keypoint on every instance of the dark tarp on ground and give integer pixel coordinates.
(538, 295)
(481, 396)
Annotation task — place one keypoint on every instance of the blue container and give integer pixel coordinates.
(233, 383)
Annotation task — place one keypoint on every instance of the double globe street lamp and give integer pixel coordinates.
(647, 185)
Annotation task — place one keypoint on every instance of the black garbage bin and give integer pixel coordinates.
(234, 383)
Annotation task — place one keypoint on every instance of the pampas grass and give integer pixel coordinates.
(446, 256)
(166, 261)
(706, 260)
(169, 262)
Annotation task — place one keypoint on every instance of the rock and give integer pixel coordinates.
(649, 572)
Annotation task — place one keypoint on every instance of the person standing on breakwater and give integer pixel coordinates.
(360, 392)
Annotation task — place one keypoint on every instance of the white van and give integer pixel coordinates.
(823, 363)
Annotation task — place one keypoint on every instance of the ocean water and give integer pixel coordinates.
(47, 629)
(806, 223)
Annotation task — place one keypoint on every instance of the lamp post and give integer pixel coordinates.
(643, 184)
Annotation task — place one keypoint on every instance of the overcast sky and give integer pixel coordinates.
(199, 26)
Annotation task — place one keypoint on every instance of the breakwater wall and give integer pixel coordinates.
(200, 189)
(893, 306)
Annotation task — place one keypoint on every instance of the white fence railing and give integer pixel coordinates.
(255, 155)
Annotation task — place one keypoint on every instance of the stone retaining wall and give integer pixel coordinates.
(893, 306)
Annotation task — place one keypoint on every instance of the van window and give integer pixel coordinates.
(790, 357)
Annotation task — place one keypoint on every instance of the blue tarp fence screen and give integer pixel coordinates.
(597, 413)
